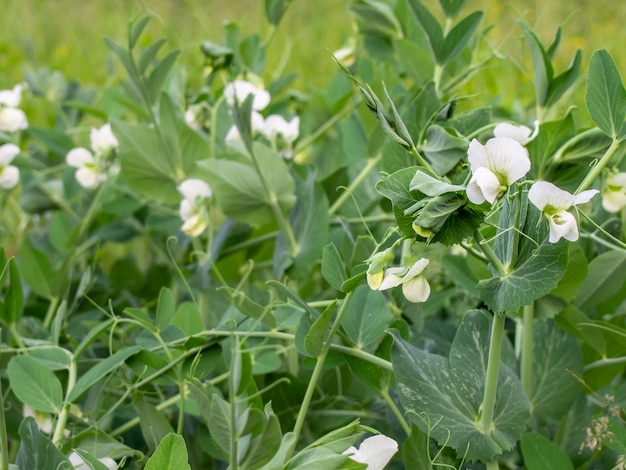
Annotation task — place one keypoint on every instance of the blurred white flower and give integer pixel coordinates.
(256, 121)
(240, 89)
(523, 134)
(193, 210)
(375, 451)
(103, 140)
(415, 287)
(554, 203)
(9, 174)
(43, 419)
(614, 193)
(282, 133)
(12, 120)
(495, 166)
(11, 98)
(79, 464)
(87, 174)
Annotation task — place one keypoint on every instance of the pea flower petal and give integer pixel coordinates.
(11, 98)
(523, 134)
(194, 188)
(79, 464)
(614, 194)
(103, 140)
(12, 120)
(375, 451)
(239, 91)
(554, 203)
(502, 159)
(87, 173)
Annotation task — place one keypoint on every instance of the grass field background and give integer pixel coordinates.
(67, 35)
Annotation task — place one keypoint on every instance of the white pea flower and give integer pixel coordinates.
(11, 98)
(554, 203)
(240, 89)
(375, 451)
(12, 119)
(79, 463)
(376, 268)
(495, 166)
(43, 419)
(9, 174)
(192, 209)
(88, 174)
(257, 123)
(415, 287)
(103, 140)
(282, 133)
(523, 134)
(614, 194)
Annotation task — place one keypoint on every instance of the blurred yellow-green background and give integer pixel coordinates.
(67, 35)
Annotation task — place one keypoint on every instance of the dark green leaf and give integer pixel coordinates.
(14, 301)
(37, 451)
(333, 268)
(136, 30)
(451, 7)
(541, 453)
(366, 317)
(316, 337)
(459, 36)
(154, 426)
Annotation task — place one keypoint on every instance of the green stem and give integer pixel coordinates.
(62, 420)
(50, 312)
(614, 241)
(489, 254)
(421, 160)
(609, 361)
(371, 164)
(396, 411)
(595, 171)
(595, 131)
(493, 369)
(317, 371)
(4, 443)
(493, 465)
(527, 347)
(438, 72)
(232, 386)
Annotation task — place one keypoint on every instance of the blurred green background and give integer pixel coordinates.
(67, 35)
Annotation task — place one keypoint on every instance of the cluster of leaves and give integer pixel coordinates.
(258, 344)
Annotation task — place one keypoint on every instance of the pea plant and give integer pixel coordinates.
(394, 271)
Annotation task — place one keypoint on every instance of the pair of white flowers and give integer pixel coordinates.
(280, 132)
(193, 208)
(502, 161)
(380, 277)
(12, 119)
(93, 167)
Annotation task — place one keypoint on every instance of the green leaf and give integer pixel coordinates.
(542, 67)
(459, 36)
(37, 269)
(395, 187)
(37, 451)
(316, 337)
(166, 308)
(53, 357)
(417, 61)
(101, 369)
(158, 75)
(443, 150)
(605, 95)
(136, 30)
(366, 317)
(431, 186)
(287, 446)
(188, 318)
(14, 301)
(540, 453)
(35, 385)
(263, 447)
(91, 461)
(154, 426)
(558, 359)
(606, 275)
(432, 30)
(376, 18)
(563, 82)
(171, 453)
(333, 268)
(316, 458)
(240, 191)
(433, 389)
(220, 423)
(451, 8)
(275, 9)
(249, 307)
(309, 219)
(457, 268)
(149, 53)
